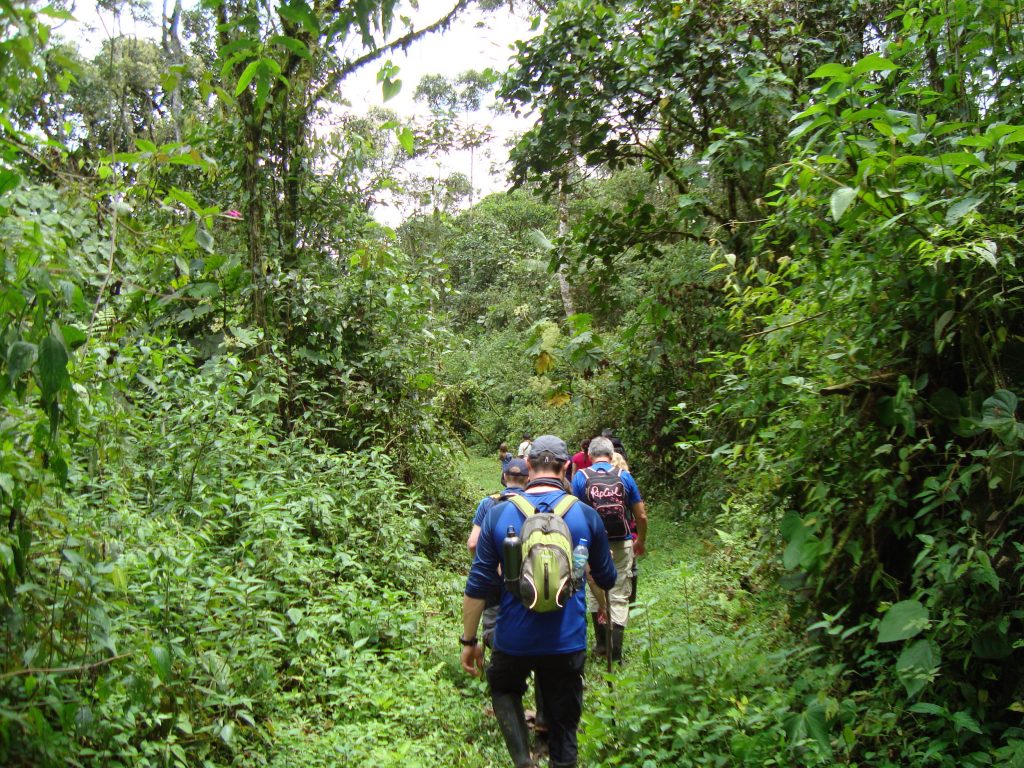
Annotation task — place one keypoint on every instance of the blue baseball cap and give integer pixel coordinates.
(517, 468)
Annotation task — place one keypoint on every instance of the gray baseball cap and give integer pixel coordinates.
(550, 445)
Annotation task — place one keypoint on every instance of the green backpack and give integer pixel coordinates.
(545, 581)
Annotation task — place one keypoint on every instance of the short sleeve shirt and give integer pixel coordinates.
(579, 483)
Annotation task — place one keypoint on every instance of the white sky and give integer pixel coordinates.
(476, 40)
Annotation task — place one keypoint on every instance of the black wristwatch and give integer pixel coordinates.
(470, 642)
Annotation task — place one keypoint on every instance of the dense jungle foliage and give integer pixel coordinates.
(242, 424)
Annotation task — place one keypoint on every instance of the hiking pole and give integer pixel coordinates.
(608, 631)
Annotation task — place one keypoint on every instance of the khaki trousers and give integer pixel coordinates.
(622, 554)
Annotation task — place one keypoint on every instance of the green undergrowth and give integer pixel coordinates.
(707, 680)
(413, 706)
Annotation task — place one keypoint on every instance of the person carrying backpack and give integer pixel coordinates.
(514, 478)
(616, 497)
(616, 442)
(542, 625)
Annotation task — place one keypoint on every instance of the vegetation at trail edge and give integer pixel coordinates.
(243, 424)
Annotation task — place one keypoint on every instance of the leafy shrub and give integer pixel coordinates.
(203, 569)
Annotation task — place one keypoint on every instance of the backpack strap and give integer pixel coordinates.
(522, 505)
(564, 504)
(528, 509)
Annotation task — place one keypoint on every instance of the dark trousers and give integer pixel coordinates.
(560, 679)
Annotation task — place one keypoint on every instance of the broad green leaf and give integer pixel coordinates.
(295, 614)
(831, 69)
(927, 708)
(160, 660)
(52, 366)
(73, 337)
(297, 47)
(20, 357)
(988, 251)
(873, 63)
(247, 75)
(186, 198)
(959, 159)
(262, 88)
(964, 721)
(1002, 405)
(903, 621)
(840, 201)
(408, 140)
(812, 724)
(390, 88)
(792, 525)
(999, 415)
(960, 209)
(8, 180)
(917, 665)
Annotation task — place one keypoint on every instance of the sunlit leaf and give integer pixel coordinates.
(840, 201)
(903, 621)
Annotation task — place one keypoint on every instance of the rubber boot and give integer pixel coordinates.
(617, 633)
(508, 709)
(600, 636)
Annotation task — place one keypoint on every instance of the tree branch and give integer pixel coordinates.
(403, 42)
(64, 670)
(775, 328)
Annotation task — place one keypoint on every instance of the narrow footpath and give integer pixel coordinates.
(696, 647)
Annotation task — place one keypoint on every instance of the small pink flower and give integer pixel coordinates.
(233, 214)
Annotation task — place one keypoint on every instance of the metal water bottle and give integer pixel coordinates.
(512, 559)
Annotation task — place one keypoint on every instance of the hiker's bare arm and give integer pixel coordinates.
(471, 541)
(640, 515)
(598, 593)
(472, 657)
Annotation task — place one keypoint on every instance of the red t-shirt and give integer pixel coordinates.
(581, 461)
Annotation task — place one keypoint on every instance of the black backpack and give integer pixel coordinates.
(606, 493)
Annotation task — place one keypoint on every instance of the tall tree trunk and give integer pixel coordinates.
(254, 214)
(170, 42)
(563, 230)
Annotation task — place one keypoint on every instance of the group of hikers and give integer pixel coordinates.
(558, 542)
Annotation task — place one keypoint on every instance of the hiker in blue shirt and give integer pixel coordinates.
(616, 497)
(514, 478)
(552, 645)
